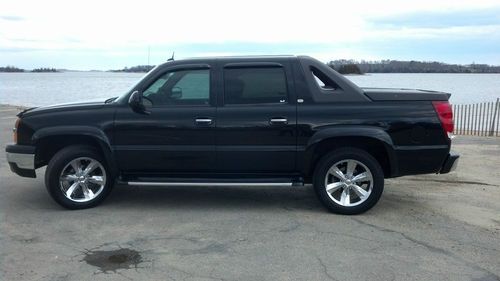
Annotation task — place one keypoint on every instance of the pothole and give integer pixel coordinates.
(113, 260)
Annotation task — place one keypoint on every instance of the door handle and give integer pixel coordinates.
(203, 121)
(278, 121)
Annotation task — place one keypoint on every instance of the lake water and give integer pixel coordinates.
(37, 89)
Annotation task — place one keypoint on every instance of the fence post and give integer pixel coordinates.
(471, 120)
(498, 122)
(482, 119)
(475, 118)
(462, 111)
(469, 132)
(492, 128)
(459, 106)
(490, 117)
(481, 116)
(461, 119)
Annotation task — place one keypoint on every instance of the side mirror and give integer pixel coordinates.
(136, 103)
(176, 93)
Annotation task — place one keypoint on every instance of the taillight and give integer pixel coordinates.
(15, 129)
(445, 114)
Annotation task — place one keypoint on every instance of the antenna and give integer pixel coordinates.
(172, 58)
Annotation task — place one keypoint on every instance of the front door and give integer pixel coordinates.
(256, 119)
(178, 136)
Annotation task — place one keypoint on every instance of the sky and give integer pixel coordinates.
(101, 35)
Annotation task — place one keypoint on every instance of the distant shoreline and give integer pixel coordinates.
(398, 66)
(12, 106)
(344, 66)
(138, 72)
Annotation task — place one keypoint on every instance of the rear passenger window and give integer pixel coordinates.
(254, 85)
(323, 81)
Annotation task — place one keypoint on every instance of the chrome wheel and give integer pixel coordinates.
(82, 179)
(349, 182)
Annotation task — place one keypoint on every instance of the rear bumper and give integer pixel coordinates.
(416, 160)
(450, 164)
(21, 159)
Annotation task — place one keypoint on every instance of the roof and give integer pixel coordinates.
(246, 57)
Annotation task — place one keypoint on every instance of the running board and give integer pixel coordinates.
(143, 183)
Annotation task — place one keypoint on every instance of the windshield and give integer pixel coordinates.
(124, 96)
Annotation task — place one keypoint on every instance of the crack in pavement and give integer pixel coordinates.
(429, 247)
(325, 269)
(451, 181)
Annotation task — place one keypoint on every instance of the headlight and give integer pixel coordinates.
(14, 130)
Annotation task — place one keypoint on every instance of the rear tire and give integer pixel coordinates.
(348, 181)
(78, 177)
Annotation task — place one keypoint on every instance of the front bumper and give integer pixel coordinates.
(21, 159)
(450, 164)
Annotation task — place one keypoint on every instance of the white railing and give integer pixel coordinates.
(478, 119)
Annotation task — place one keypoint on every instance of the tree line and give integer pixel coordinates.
(16, 69)
(396, 66)
(345, 67)
(9, 68)
(137, 68)
(44, 69)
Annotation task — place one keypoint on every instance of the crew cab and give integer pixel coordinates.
(266, 121)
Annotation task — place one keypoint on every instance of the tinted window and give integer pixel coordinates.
(190, 87)
(323, 81)
(254, 85)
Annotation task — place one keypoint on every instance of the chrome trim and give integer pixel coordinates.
(143, 183)
(279, 120)
(207, 121)
(203, 120)
(22, 160)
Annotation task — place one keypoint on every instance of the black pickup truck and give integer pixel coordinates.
(266, 121)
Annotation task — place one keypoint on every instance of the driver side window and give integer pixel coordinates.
(181, 87)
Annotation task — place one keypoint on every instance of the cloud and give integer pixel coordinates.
(11, 18)
(7, 50)
(440, 19)
(120, 32)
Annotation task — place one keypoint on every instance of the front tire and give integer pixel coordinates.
(77, 177)
(348, 181)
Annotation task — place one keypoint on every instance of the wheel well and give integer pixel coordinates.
(47, 147)
(374, 147)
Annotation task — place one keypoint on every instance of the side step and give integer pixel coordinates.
(216, 182)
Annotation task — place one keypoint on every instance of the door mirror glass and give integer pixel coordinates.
(136, 102)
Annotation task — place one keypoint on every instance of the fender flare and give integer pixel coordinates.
(86, 131)
(375, 133)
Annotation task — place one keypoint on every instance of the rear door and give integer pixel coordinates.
(256, 118)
